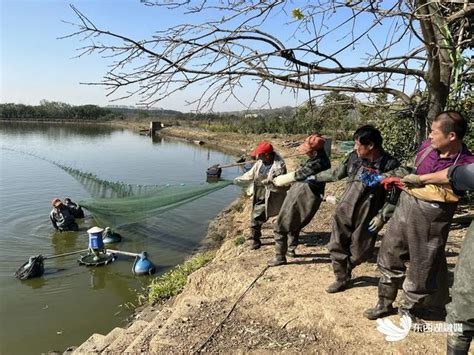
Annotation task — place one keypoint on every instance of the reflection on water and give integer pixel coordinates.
(67, 292)
(157, 139)
(63, 242)
(35, 283)
(98, 279)
(58, 131)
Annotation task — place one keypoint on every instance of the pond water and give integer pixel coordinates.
(70, 302)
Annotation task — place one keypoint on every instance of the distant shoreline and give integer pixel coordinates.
(219, 141)
(135, 125)
(51, 120)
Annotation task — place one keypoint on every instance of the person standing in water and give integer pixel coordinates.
(61, 217)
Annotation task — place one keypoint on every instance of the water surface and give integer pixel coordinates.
(70, 302)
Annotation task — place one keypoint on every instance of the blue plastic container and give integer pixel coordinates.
(95, 241)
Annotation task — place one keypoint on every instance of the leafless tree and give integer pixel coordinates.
(422, 57)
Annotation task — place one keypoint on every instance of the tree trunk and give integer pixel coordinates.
(420, 129)
(439, 64)
(438, 97)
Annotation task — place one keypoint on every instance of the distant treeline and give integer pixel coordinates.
(55, 111)
(51, 110)
(336, 115)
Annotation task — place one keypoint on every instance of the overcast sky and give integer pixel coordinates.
(35, 65)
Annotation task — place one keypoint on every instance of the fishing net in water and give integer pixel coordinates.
(100, 188)
(119, 204)
(145, 202)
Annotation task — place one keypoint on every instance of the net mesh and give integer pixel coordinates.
(120, 204)
(145, 202)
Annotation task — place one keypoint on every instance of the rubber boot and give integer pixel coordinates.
(280, 250)
(387, 294)
(291, 253)
(343, 276)
(277, 260)
(457, 345)
(412, 310)
(293, 239)
(255, 244)
(255, 239)
(418, 324)
(338, 286)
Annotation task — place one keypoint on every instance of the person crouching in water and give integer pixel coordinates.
(302, 200)
(74, 208)
(363, 209)
(61, 217)
(266, 200)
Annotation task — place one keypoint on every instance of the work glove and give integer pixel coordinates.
(269, 185)
(387, 183)
(412, 180)
(370, 179)
(285, 179)
(242, 182)
(375, 225)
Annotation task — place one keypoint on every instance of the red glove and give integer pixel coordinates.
(387, 183)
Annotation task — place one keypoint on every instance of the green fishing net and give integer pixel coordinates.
(119, 204)
(345, 147)
(120, 211)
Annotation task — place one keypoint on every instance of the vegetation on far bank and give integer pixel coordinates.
(52, 110)
(337, 116)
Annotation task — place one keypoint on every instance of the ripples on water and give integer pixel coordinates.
(70, 302)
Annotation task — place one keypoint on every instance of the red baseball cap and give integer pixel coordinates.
(262, 148)
(56, 202)
(312, 143)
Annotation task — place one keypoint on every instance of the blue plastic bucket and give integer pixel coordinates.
(95, 241)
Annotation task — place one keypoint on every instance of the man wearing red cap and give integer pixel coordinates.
(61, 218)
(266, 200)
(302, 200)
(362, 206)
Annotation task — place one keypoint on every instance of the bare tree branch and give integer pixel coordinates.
(422, 38)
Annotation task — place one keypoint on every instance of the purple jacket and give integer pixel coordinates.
(433, 162)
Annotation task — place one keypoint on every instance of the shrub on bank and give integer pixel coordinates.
(239, 240)
(172, 282)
